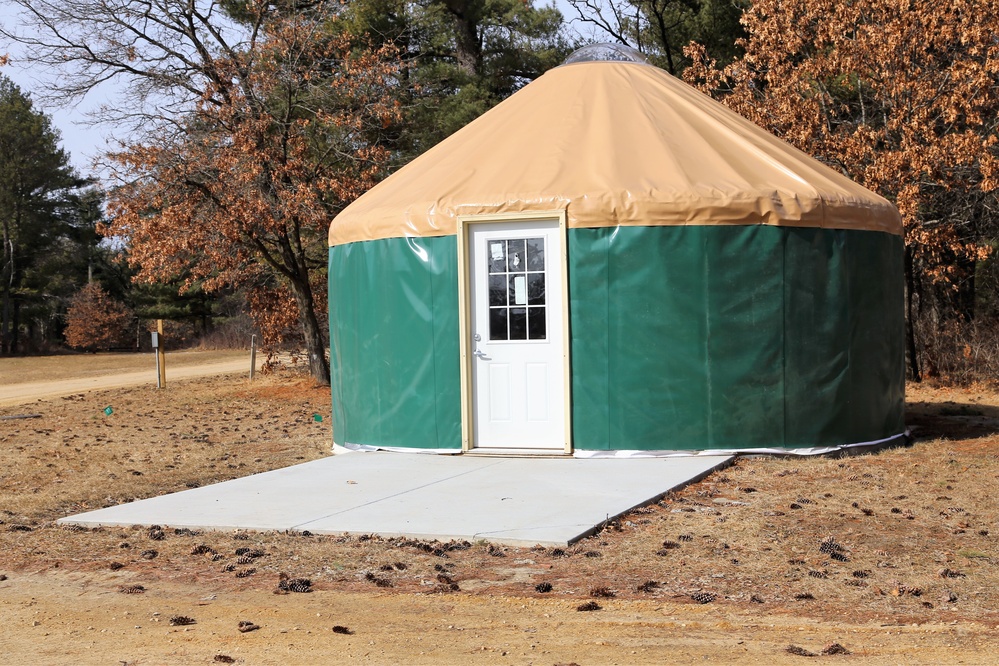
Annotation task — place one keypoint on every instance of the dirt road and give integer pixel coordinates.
(78, 374)
(78, 618)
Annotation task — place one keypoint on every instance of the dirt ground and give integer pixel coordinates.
(882, 558)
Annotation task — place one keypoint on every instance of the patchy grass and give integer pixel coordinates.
(77, 458)
(905, 535)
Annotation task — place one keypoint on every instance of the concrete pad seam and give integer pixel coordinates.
(399, 494)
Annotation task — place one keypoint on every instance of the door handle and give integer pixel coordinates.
(478, 353)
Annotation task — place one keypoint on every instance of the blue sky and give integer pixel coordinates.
(80, 138)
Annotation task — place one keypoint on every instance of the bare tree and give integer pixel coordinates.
(661, 28)
(256, 122)
(163, 53)
(605, 18)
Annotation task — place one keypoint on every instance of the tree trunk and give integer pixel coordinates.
(468, 50)
(15, 328)
(7, 257)
(664, 37)
(315, 343)
(4, 322)
(910, 331)
(966, 290)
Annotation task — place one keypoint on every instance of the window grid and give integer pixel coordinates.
(517, 282)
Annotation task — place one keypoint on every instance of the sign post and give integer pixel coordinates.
(157, 336)
(253, 355)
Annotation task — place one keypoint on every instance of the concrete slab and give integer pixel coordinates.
(514, 501)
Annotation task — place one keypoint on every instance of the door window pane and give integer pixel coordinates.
(516, 256)
(497, 290)
(497, 256)
(536, 323)
(497, 324)
(518, 290)
(518, 323)
(536, 288)
(517, 279)
(535, 254)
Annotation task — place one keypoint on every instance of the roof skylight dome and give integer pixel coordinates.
(607, 52)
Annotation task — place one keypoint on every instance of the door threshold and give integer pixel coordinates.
(518, 453)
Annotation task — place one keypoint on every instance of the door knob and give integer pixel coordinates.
(478, 353)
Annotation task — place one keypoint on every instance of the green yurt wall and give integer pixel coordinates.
(725, 291)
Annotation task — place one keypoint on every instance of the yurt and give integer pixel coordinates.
(610, 263)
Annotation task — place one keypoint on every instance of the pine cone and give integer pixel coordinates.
(648, 586)
(245, 626)
(295, 585)
(835, 648)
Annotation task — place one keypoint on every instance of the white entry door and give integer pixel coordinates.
(518, 366)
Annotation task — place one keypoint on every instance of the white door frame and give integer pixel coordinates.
(465, 316)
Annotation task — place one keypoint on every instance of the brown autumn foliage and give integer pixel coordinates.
(285, 135)
(95, 320)
(904, 99)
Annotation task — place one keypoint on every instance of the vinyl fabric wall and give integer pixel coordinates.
(736, 337)
(393, 307)
(684, 338)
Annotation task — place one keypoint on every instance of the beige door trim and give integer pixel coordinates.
(465, 314)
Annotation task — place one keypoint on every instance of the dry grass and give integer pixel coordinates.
(76, 458)
(905, 535)
(18, 370)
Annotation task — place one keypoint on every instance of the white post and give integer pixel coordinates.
(156, 352)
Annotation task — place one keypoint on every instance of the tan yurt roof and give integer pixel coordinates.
(612, 143)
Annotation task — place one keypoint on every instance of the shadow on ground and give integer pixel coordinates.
(952, 420)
